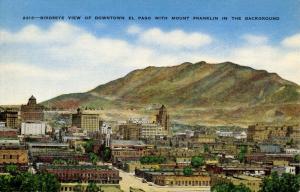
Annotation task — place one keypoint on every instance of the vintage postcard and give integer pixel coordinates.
(150, 96)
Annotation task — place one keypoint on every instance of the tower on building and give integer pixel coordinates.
(163, 118)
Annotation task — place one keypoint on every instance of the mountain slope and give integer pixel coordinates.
(190, 86)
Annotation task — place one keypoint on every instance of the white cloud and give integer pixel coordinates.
(65, 58)
(271, 58)
(134, 29)
(58, 33)
(175, 39)
(292, 41)
(26, 70)
(255, 39)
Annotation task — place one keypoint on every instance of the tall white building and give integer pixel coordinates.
(107, 131)
(33, 128)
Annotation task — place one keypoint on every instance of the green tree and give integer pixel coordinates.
(223, 187)
(197, 161)
(6, 183)
(28, 182)
(206, 148)
(242, 188)
(229, 187)
(12, 169)
(88, 146)
(290, 142)
(144, 160)
(297, 158)
(242, 154)
(93, 158)
(92, 187)
(283, 183)
(187, 171)
(106, 154)
(152, 159)
(48, 182)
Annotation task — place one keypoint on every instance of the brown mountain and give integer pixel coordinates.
(197, 93)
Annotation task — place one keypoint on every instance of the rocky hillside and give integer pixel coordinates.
(216, 92)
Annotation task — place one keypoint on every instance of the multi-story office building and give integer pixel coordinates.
(163, 119)
(33, 128)
(129, 150)
(10, 118)
(130, 131)
(137, 131)
(151, 130)
(32, 111)
(265, 132)
(88, 120)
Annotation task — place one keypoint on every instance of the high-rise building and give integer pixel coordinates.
(130, 131)
(10, 118)
(33, 128)
(32, 111)
(163, 119)
(88, 120)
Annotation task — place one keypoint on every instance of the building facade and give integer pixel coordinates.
(32, 111)
(10, 118)
(84, 173)
(182, 180)
(88, 120)
(8, 133)
(33, 128)
(163, 119)
(129, 150)
(151, 130)
(252, 182)
(263, 132)
(130, 131)
(13, 156)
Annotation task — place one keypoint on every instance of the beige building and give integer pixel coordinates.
(137, 131)
(130, 131)
(171, 179)
(131, 166)
(204, 139)
(14, 156)
(32, 111)
(262, 132)
(150, 130)
(252, 182)
(88, 120)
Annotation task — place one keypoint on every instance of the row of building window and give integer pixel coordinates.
(87, 175)
(9, 156)
(190, 183)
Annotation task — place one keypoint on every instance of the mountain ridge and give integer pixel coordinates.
(187, 86)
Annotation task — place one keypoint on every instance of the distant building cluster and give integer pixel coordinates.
(81, 148)
(146, 130)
